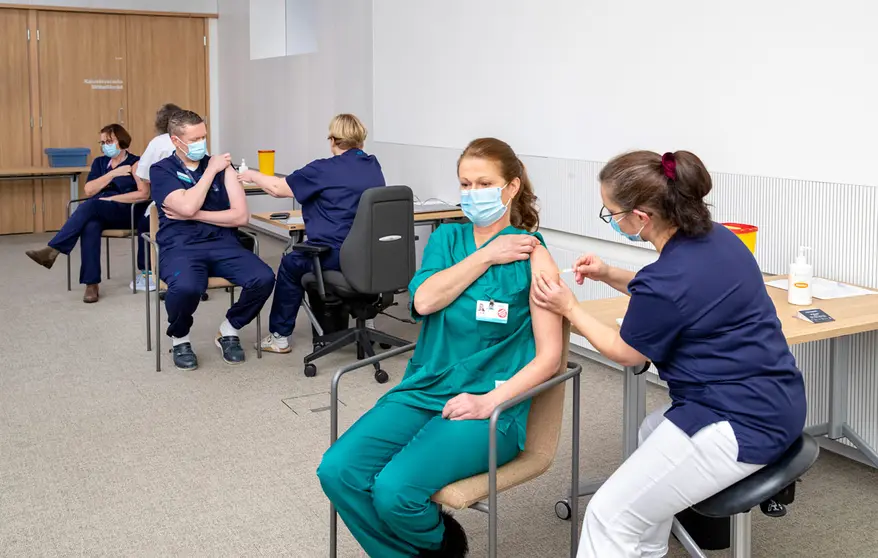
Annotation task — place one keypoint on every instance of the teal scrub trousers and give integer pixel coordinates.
(382, 472)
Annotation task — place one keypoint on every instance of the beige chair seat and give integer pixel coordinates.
(212, 283)
(466, 492)
(116, 233)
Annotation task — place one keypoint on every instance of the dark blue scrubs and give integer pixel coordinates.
(192, 251)
(702, 314)
(93, 216)
(329, 191)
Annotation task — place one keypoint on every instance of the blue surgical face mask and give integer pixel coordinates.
(483, 206)
(196, 150)
(632, 237)
(110, 149)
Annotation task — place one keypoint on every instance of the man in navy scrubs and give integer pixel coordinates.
(329, 191)
(112, 189)
(200, 206)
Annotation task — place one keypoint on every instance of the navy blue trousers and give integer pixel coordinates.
(186, 269)
(86, 224)
(288, 291)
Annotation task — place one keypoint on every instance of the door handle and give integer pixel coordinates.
(121, 111)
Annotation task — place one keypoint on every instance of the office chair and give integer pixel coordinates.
(377, 261)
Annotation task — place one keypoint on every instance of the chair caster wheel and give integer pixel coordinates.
(310, 370)
(381, 376)
(204, 296)
(562, 510)
(384, 346)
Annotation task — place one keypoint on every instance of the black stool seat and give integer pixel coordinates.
(748, 493)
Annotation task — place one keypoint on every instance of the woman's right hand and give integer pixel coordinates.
(510, 248)
(122, 170)
(589, 266)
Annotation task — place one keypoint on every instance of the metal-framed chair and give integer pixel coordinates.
(114, 233)
(543, 433)
(162, 287)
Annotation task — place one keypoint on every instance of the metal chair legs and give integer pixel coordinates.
(741, 542)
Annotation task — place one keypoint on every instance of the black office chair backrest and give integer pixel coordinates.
(378, 255)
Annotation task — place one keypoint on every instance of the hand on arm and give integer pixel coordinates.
(92, 187)
(442, 288)
(237, 214)
(139, 195)
(183, 203)
(549, 344)
(555, 296)
(274, 186)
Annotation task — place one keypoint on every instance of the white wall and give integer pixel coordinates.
(189, 6)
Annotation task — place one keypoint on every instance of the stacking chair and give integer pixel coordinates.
(131, 233)
(377, 261)
(162, 288)
(543, 432)
(737, 500)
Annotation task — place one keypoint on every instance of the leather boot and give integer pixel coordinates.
(454, 543)
(45, 256)
(91, 294)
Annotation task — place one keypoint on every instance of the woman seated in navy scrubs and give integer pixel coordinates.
(702, 315)
(112, 190)
(329, 191)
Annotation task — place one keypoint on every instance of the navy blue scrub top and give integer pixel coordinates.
(119, 185)
(329, 191)
(171, 174)
(702, 314)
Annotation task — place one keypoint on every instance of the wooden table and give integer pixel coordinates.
(27, 173)
(852, 315)
(297, 230)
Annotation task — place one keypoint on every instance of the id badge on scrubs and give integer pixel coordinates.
(492, 311)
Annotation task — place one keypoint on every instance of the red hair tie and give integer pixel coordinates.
(669, 166)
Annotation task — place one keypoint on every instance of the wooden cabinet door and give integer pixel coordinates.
(16, 196)
(167, 63)
(82, 88)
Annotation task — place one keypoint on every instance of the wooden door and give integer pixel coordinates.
(16, 196)
(167, 61)
(82, 88)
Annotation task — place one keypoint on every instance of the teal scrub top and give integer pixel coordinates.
(455, 352)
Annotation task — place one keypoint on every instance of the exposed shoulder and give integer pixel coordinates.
(541, 261)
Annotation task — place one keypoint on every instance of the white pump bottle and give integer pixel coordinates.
(800, 279)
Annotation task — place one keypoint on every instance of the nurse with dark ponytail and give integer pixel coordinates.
(702, 315)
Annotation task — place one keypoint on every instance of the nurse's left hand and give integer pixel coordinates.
(468, 407)
(554, 296)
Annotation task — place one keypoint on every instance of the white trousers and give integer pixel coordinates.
(631, 515)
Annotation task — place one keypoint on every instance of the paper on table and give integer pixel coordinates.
(825, 289)
(295, 221)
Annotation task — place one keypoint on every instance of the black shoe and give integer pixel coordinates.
(454, 543)
(184, 357)
(772, 508)
(230, 346)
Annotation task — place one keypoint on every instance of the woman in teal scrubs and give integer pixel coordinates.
(481, 343)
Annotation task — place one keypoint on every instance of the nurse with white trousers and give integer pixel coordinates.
(702, 315)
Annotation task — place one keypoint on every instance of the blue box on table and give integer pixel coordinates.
(68, 156)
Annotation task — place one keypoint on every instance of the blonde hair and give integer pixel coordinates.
(347, 131)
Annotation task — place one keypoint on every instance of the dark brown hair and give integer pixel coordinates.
(121, 134)
(524, 214)
(638, 180)
(181, 119)
(163, 115)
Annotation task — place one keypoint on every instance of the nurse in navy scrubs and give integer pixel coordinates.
(702, 315)
(329, 191)
(112, 189)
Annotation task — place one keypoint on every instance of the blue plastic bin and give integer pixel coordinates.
(68, 156)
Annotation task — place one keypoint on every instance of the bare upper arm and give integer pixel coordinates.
(546, 324)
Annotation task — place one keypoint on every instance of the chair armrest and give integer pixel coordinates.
(333, 398)
(255, 240)
(310, 249)
(315, 250)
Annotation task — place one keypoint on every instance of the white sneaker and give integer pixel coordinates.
(274, 343)
(141, 283)
(370, 324)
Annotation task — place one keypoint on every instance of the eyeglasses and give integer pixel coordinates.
(606, 215)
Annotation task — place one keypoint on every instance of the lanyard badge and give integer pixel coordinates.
(492, 311)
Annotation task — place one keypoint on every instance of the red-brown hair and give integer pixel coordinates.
(118, 132)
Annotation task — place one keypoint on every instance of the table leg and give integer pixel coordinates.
(633, 413)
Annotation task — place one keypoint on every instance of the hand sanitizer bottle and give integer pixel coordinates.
(243, 166)
(800, 279)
